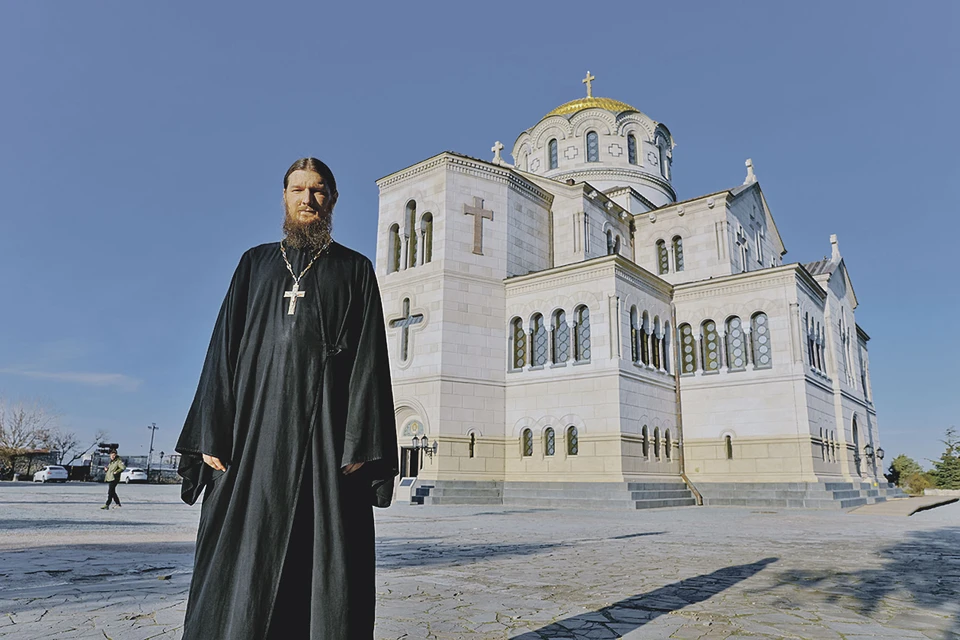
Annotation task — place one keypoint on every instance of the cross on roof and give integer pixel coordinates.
(589, 82)
(497, 148)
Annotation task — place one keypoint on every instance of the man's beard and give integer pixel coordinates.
(314, 234)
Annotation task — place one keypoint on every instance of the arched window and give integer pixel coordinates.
(554, 153)
(395, 249)
(688, 350)
(809, 331)
(473, 445)
(561, 337)
(645, 442)
(549, 442)
(526, 443)
(663, 258)
(519, 356)
(736, 353)
(668, 444)
(581, 337)
(662, 147)
(728, 445)
(616, 245)
(609, 242)
(678, 253)
(412, 235)
(656, 343)
(656, 442)
(632, 148)
(823, 446)
(426, 230)
(593, 147)
(666, 344)
(711, 346)
(760, 331)
(538, 339)
(645, 339)
(634, 335)
(573, 443)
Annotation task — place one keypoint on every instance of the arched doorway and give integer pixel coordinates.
(410, 457)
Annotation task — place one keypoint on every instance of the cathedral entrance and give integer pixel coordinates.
(409, 462)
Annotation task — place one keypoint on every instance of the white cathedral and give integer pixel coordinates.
(563, 330)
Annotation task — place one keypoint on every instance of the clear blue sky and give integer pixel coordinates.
(142, 147)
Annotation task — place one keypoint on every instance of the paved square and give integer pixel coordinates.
(71, 570)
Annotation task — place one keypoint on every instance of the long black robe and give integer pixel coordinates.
(286, 401)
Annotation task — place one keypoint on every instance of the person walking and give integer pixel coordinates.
(113, 478)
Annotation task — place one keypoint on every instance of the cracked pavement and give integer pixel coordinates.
(70, 570)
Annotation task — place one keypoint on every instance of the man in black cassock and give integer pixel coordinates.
(291, 437)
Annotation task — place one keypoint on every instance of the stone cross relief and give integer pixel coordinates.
(478, 213)
(404, 323)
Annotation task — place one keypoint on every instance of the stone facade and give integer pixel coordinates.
(567, 320)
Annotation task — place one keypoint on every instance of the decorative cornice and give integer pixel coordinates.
(749, 281)
(614, 172)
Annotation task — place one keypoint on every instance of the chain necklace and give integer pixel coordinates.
(295, 293)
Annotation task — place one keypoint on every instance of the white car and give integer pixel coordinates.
(133, 474)
(51, 473)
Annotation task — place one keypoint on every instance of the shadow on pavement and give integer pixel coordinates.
(926, 567)
(627, 615)
(11, 525)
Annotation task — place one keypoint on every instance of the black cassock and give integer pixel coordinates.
(285, 546)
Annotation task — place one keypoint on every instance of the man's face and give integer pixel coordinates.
(307, 198)
(113, 456)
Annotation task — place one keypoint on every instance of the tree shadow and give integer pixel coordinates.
(624, 616)
(926, 566)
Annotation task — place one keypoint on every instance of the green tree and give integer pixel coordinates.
(947, 468)
(902, 468)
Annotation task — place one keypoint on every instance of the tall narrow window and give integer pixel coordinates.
(549, 442)
(736, 353)
(395, 249)
(760, 330)
(519, 356)
(760, 246)
(538, 337)
(593, 147)
(581, 346)
(645, 339)
(412, 229)
(668, 445)
(609, 242)
(554, 154)
(526, 443)
(616, 245)
(426, 230)
(823, 446)
(645, 442)
(678, 253)
(711, 346)
(688, 350)
(634, 335)
(663, 258)
(573, 442)
(561, 337)
(667, 345)
(655, 340)
(473, 445)
(656, 442)
(728, 445)
(664, 157)
(632, 148)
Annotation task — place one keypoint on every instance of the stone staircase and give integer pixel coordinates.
(575, 495)
(797, 495)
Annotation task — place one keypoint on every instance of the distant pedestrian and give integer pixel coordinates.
(113, 478)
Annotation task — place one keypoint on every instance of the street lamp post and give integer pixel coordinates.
(153, 430)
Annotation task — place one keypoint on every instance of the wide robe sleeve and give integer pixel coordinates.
(208, 428)
(370, 435)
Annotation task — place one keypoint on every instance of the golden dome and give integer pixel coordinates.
(591, 103)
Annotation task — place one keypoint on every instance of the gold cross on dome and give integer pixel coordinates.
(589, 82)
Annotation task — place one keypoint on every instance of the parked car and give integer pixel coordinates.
(133, 474)
(51, 473)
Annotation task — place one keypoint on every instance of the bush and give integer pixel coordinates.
(915, 483)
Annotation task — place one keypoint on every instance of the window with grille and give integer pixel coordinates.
(573, 443)
(663, 258)
(519, 359)
(593, 147)
(678, 253)
(760, 331)
(549, 442)
(538, 331)
(711, 346)
(561, 337)
(632, 148)
(688, 350)
(554, 154)
(736, 353)
(582, 334)
(527, 443)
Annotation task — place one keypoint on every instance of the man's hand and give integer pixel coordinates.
(214, 462)
(350, 468)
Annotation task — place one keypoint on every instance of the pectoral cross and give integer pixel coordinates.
(294, 294)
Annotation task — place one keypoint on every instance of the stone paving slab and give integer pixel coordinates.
(904, 506)
(69, 570)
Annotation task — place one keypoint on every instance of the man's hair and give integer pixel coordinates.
(113, 450)
(317, 166)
